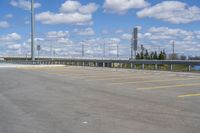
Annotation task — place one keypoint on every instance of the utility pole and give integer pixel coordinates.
(38, 49)
(117, 50)
(109, 51)
(32, 31)
(83, 49)
(134, 42)
(51, 50)
(104, 48)
(173, 49)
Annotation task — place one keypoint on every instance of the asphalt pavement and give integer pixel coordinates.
(98, 100)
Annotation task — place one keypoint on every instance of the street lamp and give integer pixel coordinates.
(83, 49)
(32, 31)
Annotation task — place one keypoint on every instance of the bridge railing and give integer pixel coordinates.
(108, 62)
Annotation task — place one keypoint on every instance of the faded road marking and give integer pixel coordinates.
(169, 86)
(189, 95)
(152, 81)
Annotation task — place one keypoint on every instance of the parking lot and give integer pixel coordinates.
(98, 100)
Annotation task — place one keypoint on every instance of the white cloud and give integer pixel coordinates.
(62, 18)
(58, 37)
(57, 34)
(157, 33)
(84, 32)
(14, 46)
(126, 36)
(4, 24)
(70, 6)
(71, 12)
(119, 31)
(74, 6)
(24, 4)
(10, 37)
(122, 6)
(89, 8)
(158, 38)
(8, 15)
(172, 11)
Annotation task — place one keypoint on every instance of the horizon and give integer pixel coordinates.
(62, 27)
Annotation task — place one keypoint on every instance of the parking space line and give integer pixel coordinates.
(152, 81)
(189, 95)
(113, 78)
(168, 86)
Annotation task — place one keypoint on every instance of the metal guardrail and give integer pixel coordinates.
(108, 62)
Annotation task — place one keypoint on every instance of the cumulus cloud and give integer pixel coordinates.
(172, 11)
(58, 37)
(9, 43)
(63, 18)
(157, 33)
(70, 6)
(10, 37)
(84, 32)
(4, 24)
(158, 38)
(24, 4)
(73, 6)
(126, 36)
(122, 6)
(57, 34)
(71, 12)
(14, 46)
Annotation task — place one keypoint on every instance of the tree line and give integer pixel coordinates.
(144, 54)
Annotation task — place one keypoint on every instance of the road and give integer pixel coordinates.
(98, 100)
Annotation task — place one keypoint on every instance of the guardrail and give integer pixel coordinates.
(110, 62)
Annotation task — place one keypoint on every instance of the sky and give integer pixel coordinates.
(103, 27)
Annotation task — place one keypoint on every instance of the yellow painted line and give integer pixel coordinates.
(138, 77)
(39, 67)
(189, 95)
(151, 81)
(169, 86)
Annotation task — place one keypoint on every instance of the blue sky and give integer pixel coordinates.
(62, 26)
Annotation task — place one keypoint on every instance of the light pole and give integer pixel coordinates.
(104, 49)
(38, 49)
(134, 42)
(83, 49)
(32, 31)
(173, 50)
(117, 50)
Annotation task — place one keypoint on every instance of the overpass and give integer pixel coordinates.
(102, 62)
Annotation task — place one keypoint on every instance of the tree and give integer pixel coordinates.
(160, 55)
(152, 55)
(155, 56)
(183, 57)
(141, 55)
(137, 56)
(146, 55)
(164, 55)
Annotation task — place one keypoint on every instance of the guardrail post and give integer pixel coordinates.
(189, 68)
(156, 67)
(171, 67)
(131, 65)
(104, 64)
(142, 66)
